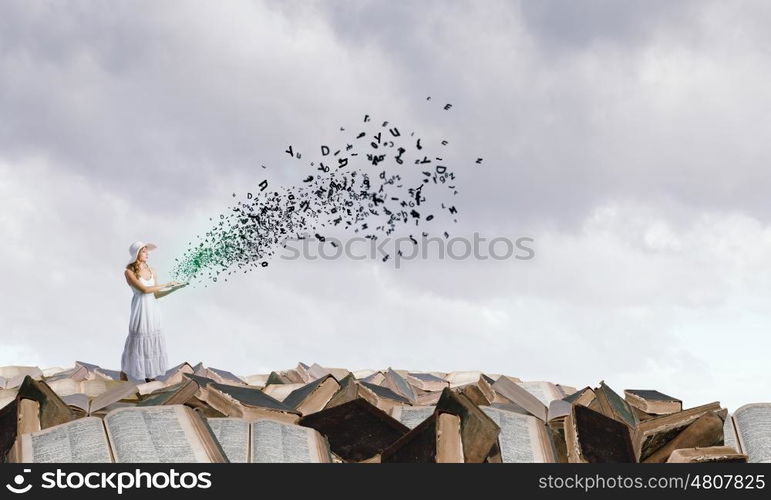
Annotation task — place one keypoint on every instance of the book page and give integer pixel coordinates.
(9, 372)
(233, 436)
(6, 396)
(729, 434)
(65, 387)
(96, 387)
(519, 440)
(462, 378)
(114, 393)
(412, 416)
(753, 428)
(79, 441)
(78, 400)
(276, 442)
(544, 391)
(153, 434)
(517, 394)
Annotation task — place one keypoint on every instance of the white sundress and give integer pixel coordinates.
(144, 354)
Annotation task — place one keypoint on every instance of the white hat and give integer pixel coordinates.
(136, 247)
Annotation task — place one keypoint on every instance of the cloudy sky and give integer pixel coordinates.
(628, 139)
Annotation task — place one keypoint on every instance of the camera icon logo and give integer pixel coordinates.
(19, 480)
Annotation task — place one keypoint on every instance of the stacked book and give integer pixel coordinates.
(311, 413)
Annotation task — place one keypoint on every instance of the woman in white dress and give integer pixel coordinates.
(144, 353)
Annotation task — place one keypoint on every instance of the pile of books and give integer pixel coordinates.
(315, 414)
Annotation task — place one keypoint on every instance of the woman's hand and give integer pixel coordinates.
(170, 287)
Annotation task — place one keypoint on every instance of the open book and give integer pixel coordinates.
(269, 441)
(652, 434)
(522, 397)
(523, 438)
(6, 396)
(437, 439)
(357, 430)
(130, 435)
(84, 404)
(546, 392)
(749, 431)
(412, 416)
(13, 376)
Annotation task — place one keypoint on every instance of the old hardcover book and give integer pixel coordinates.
(349, 390)
(435, 440)
(707, 430)
(479, 432)
(612, 405)
(710, 454)
(280, 391)
(416, 446)
(521, 397)
(221, 376)
(456, 379)
(363, 373)
(399, 385)
(127, 435)
(53, 411)
(523, 438)
(449, 445)
(96, 371)
(303, 370)
(652, 402)
(592, 437)
(652, 434)
(279, 378)
(172, 377)
(356, 430)
(93, 405)
(641, 415)
(318, 371)
(480, 392)
(13, 376)
(546, 392)
(91, 388)
(269, 441)
(258, 380)
(749, 429)
(583, 397)
(245, 402)
(77, 373)
(179, 393)
(375, 378)
(385, 397)
(559, 409)
(313, 396)
(9, 421)
(412, 416)
(426, 398)
(7, 395)
(426, 381)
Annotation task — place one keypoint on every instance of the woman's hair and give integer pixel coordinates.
(134, 267)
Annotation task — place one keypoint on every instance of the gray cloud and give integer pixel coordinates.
(627, 138)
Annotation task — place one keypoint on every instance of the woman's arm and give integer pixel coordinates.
(174, 288)
(134, 281)
(170, 287)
